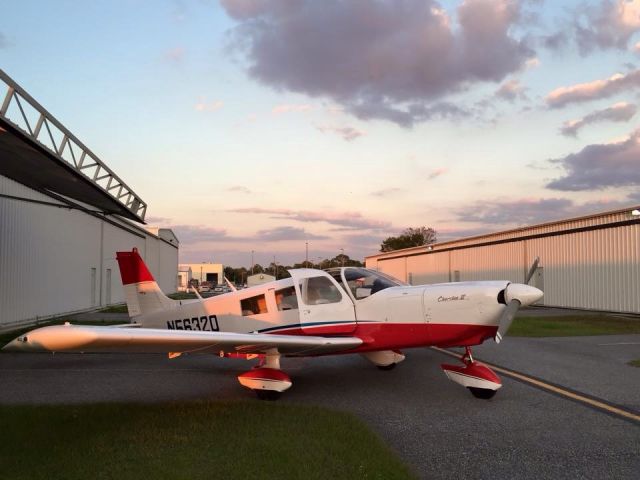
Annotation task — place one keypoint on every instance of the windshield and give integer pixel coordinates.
(363, 282)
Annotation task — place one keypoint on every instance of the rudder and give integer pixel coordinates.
(141, 291)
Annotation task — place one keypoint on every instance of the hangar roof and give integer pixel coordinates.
(39, 152)
(594, 221)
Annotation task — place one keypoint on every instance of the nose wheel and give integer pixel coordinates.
(481, 381)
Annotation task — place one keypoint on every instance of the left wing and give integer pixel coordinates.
(81, 338)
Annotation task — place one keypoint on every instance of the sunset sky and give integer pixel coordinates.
(261, 125)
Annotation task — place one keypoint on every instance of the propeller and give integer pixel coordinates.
(508, 314)
(515, 295)
(532, 270)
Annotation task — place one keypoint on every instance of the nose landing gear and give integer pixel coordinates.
(481, 381)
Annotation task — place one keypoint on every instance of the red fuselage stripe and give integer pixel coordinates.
(390, 336)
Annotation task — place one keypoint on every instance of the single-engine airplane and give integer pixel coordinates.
(338, 311)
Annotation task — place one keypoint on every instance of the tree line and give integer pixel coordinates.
(409, 237)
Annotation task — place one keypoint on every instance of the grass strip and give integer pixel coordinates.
(634, 363)
(190, 440)
(573, 325)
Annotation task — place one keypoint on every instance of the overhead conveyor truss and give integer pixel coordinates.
(35, 132)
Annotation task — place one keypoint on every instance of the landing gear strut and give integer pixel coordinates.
(481, 381)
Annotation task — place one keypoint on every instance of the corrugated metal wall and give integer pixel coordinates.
(56, 260)
(595, 269)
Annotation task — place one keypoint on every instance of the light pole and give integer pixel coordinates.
(342, 256)
(251, 262)
(306, 254)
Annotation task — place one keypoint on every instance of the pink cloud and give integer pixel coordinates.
(594, 90)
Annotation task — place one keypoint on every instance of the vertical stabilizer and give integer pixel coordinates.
(141, 291)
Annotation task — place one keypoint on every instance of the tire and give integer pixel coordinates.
(391, 366)
(269, 395)
(484, 393)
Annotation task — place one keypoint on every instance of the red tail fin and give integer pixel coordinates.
(132, 268)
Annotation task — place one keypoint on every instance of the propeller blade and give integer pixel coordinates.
(532, 270)
(506, 319)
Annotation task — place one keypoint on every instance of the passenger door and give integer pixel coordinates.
(324, 307)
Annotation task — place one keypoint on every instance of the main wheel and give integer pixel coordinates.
(391, 366)
(270, 395)
(484, 393)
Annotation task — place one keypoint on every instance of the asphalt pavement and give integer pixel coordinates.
(435, 425)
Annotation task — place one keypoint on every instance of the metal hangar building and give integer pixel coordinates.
(590, 262)
(63, 216)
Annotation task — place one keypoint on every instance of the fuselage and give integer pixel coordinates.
(381, 311)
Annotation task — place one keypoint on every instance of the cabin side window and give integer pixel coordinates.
(286, 299)
(253, 305)
(319, 290)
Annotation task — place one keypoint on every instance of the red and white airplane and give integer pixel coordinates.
(314, 312)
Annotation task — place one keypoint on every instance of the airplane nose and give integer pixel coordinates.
(525, 294)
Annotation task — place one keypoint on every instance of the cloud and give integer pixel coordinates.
(203, 106)
(239, 189)
(532, 63)
(447, 234)
(4, 43)
(199, 233)
(379, 60)
(435, 173)
(158, 220)
(286, 233)
(620, 112)
(287, 108)
(609, 25)
(594, 90)
(531, 211)
(386, 192)
(175, 55)
(636, 47)
(345, 220)
(363, 240)
(601, 165)
(511, 91)
(347, 133)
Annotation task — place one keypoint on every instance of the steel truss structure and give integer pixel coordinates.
(22, 112)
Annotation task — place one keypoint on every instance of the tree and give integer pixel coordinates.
(230, 273)
(410, 237)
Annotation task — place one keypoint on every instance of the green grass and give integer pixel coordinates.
(182, 296)
(635, 363)
(573, 325)
(115, 309)
(221, 440)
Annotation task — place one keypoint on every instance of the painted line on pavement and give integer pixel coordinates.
(558, 390)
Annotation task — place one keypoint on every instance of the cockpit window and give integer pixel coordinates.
(364, 283)
(319, 290)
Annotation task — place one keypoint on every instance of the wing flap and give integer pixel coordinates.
(84, 338)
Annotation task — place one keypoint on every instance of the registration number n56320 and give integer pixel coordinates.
(206, 323)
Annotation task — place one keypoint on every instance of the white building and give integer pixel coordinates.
(206, 272)
(184, 277)
(590, 262)
(63, 216)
